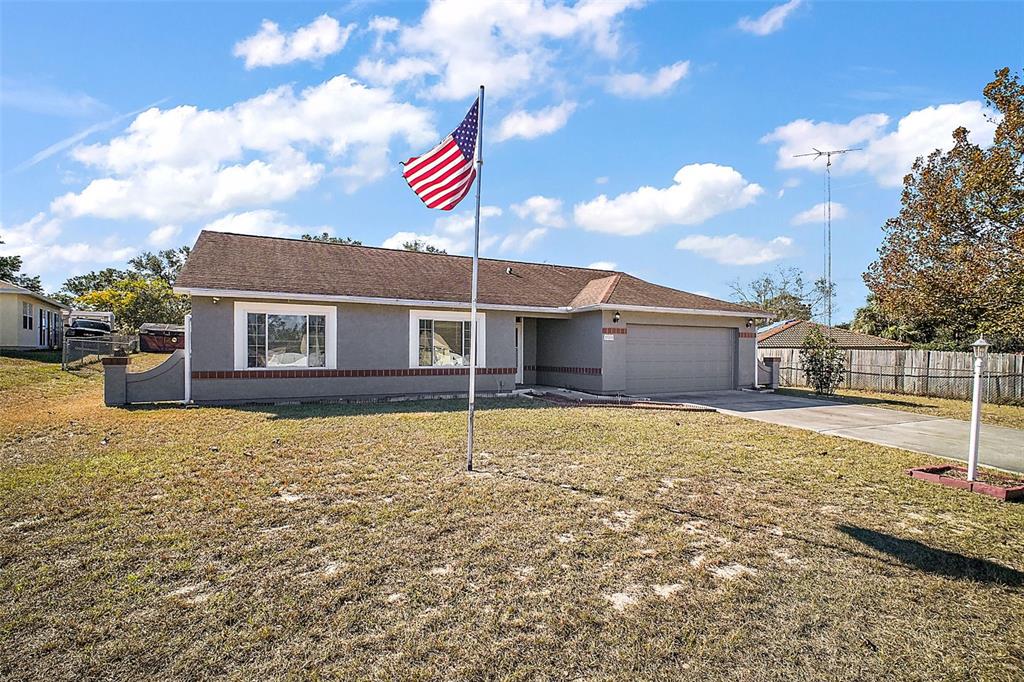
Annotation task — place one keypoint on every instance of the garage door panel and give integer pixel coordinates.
(664, 358)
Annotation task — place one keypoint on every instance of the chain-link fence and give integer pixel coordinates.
(85, 353)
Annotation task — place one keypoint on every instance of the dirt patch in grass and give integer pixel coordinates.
(346, 541)
(1011, 416)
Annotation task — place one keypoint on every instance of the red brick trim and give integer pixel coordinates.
(613, 330)
(118, 360)
(747, 335)
(347, 373)
(569, 370)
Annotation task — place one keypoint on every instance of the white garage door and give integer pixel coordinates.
(666, 359)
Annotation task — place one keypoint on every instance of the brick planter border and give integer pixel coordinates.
(934, 474)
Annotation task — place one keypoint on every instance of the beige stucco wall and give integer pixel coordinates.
(12, 335)
(10, 320)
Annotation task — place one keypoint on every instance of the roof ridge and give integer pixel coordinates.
(384, 248)
(781, 328)
(616, 278)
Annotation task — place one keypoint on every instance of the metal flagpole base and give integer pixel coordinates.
(469, 439)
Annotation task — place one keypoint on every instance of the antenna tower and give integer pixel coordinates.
(827, 220)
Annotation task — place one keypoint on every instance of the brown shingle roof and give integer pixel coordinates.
(791, 334)
(226, 261)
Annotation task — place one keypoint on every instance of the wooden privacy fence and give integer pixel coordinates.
(940, 374)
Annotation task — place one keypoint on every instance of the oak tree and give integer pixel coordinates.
(952, 260)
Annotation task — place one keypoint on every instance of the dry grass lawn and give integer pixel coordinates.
(332, 541)
(1000, 415)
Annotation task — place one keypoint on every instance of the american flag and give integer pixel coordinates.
(445, 174)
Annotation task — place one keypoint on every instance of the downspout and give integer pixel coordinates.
(188, 360)
(755, 354)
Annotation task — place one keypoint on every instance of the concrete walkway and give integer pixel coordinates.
(1000, 447)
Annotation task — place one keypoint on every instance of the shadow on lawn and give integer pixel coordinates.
(317, 410)
(937, 561)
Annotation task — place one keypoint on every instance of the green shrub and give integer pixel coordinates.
(823, 362)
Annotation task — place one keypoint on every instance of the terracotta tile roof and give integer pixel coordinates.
(226, 261)
(791, 334)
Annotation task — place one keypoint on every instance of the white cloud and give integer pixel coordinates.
(452, 233)
(165, 192)
(269, 47)
(601, 180)
(529, 125)
(603, 265)
(164, 235)
(816, 214)
(736, 250)
(541, 210)
(804, 136)
(771, 21)
(382, 26)
(463, 222)
(263, 222)
(701, 191)
(74, 139)
(521, 242)
(790, 183)
(505, 45)
(647, 85)
(885, 154)
(37, 242)
(381, 72)
(185, 163)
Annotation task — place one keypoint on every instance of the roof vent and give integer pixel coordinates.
(508, 270)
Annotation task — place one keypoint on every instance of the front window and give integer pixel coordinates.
(442, 339)
(284, 335)
(444, 343)
(283, 340)
(26, 315)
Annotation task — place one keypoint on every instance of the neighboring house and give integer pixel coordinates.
(278, 319)
(29, 321)
(791, 334)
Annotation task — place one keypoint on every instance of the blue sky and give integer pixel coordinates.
(657, 137)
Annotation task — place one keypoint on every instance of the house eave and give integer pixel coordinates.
(372, 300)
(676, 311)
(560, 311)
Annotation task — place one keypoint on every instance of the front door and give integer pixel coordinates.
(519, 350)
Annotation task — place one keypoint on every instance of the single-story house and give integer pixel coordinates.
(28, 320)
(283, 319)
(790, 334)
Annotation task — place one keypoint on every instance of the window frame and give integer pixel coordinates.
(27, 315)
(415, 316)
(241, 319)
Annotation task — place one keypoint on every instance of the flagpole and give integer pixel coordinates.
(476, 265)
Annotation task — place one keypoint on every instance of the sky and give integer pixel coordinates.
(654, 138)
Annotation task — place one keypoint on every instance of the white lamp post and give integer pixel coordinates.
(980, 348)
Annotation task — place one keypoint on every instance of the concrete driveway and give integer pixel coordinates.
(1000, 447)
